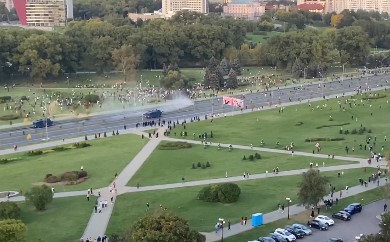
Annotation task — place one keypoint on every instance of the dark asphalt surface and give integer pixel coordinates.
(180, 110)
(361, 223)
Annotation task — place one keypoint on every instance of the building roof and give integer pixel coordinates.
(310, 6)
(241, 1)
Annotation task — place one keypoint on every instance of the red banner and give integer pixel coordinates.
(231, 101)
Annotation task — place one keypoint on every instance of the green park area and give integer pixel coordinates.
(64, 220)
(195, 162)
(364, 198)
(203, 215)
(335, 124)
(101, 160)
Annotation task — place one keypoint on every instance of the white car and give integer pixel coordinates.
(285, 234)
(325, 219)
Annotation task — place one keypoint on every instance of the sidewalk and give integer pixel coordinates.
(276, 215)
(98, 222)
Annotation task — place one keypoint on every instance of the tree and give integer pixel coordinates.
(12, 230)
(354, 41)
(40, 196)
(162, 227)
(231, 81)
(312, 188)
(9, 210)
(236, 67)
(335, 20)
(125, 59)
(384, 234)
(223, 67)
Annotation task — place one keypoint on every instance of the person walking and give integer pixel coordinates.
(88, 197)
(229, 224)
(282, 208)
(385, 208)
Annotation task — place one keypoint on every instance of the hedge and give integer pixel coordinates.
(332, 125)
(323, 139)
(224, 193)
(174, 145)
(81, 145)
(9, 117)
(34, 152)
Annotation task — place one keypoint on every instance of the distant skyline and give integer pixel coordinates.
(338, 6)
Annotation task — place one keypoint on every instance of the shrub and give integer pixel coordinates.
(199, 164)
(174, 145)
(251, 157)
(92, 98)
(224, 193)
(81, 174)
(5, 161)
(39, 197)
(354, 131)
(9, 210)
(69, 176)
(340, 131)
(207, 164)
(228, 192)
(34, 152)
(47, 175)
(59, 148)
(330, 119)
(23, 98)
(257, 156)
(81, 145)
(244, 158)
(346, 131)
(203, 166)
(9, 117)
(193, 166)
(4, 99)
(52, 179)
(369, 131)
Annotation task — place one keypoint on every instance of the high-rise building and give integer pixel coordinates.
(170, 7)
(9, 4)
(44, 13)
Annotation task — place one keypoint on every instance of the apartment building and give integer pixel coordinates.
(243, 10)
(44, 13)
(170, 7)
(339, 5)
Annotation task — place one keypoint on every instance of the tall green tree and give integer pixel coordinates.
(354, 42)
(231, 81)
(312, 188)
(235, 65)
(126, 60)
(39, 197)
(12, 230)
(162, 227)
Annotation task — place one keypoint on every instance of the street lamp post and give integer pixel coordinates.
(288, 207)
(221, 221)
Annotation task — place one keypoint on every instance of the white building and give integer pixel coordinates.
(339, 5)
(170, 7)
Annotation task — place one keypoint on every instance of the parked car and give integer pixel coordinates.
(287, 235)
(317, 225)
(334, 240)
(353, 208)
(152, 114)
(277, 237)
(302, 227)
(266, 239)
(298, 233)
(325, 219)
(342, 215)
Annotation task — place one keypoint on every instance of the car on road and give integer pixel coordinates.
(287, 235)
(266, 239)
(42, 123)
(298, 233)
(277, 237)
(325, 219)
(334, 240)
(342, 215)
(353, 208)
(153, 114)
(303, 228)
(317, 224)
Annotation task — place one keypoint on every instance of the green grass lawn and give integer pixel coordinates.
(320, 120)
(202, 215)
(364, 198)
(257, 38)
(64, 220)
(178, 164)
(101, 160)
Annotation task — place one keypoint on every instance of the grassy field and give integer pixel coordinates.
(178, 164)
(202, 215)
(101, 160)
(64, 220)
(307, 121)
(364, 198)
(257, 38)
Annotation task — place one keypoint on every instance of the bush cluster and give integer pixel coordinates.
(9, 117)
(201, 165)
(323, 139)
(4, 99)
(92, 98)
(5, 161)
(23, 98)
(174, 145)
(59, 148)
(9, 210)
(67, 176)
(224, 193)
(256, 156)
(361, 130)
(81, 145)
(34, 152)
(377, 96)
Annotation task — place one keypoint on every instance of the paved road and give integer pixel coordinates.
(179, 110)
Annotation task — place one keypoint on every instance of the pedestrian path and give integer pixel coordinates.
(277, 215)
(98, 222)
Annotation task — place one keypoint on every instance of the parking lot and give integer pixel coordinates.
(361, 223)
